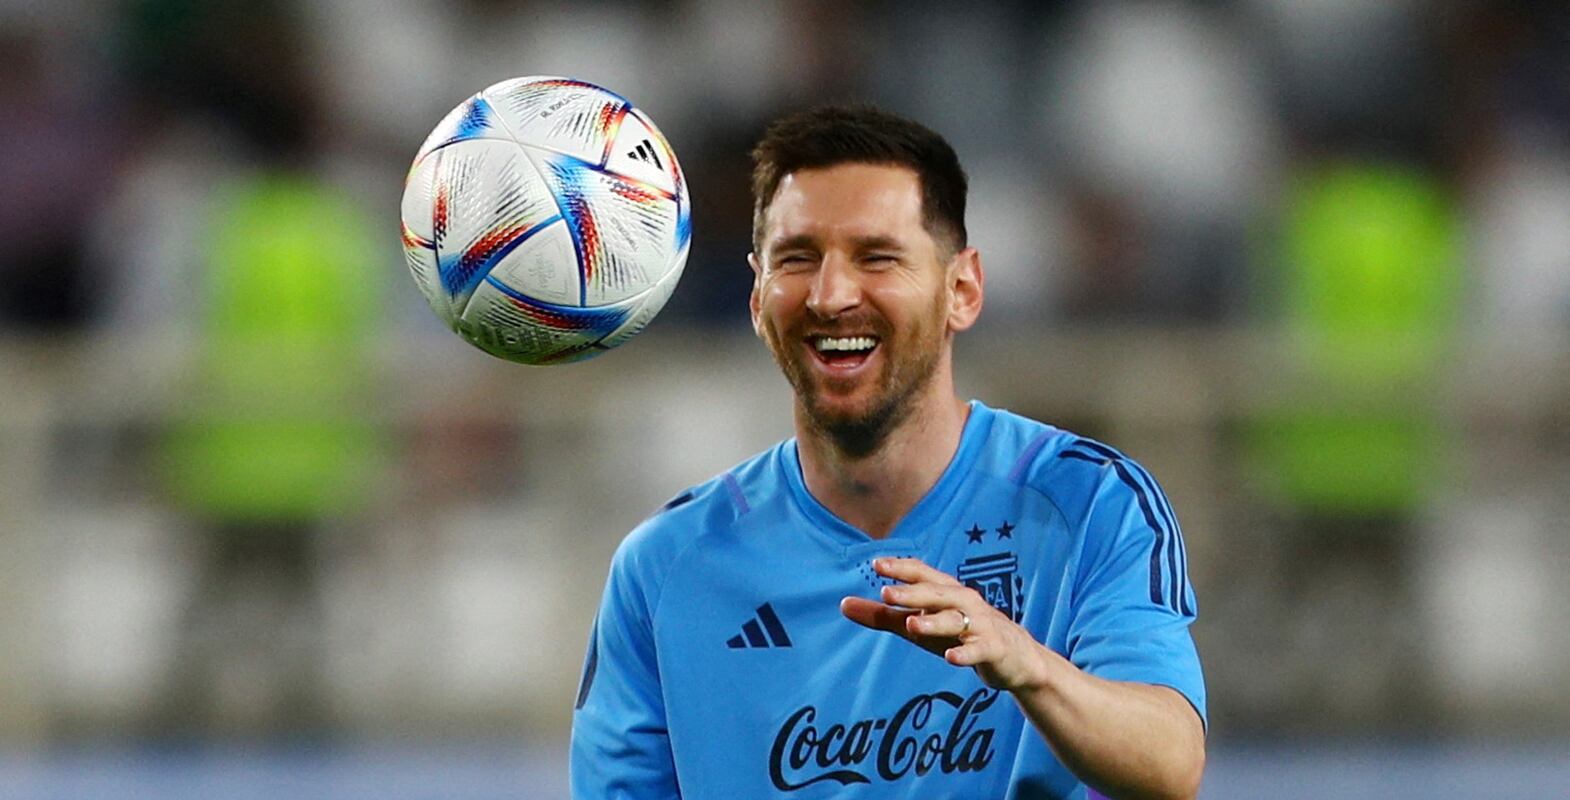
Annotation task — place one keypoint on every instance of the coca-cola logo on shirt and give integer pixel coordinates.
(930, 731)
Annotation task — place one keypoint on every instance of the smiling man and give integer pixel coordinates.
(916, 596)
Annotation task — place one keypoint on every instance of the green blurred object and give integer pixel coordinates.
(1370, 300)
(277, 424)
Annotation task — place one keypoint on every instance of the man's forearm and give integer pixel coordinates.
(1127, 740)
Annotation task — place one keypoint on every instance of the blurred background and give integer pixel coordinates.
(267, 529)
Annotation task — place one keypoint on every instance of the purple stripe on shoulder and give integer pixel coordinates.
(735, 494)
(1031, 451)
(1095, 795)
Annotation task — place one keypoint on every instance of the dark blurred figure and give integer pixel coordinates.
(58, 137)
(716, 281)
(239, 62)
(826, 66)
(1509, 137)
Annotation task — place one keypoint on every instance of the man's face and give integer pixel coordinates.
(852, 295)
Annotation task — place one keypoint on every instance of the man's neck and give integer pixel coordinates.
(875, 491)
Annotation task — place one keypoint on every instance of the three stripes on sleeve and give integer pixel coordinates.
(1168, 556)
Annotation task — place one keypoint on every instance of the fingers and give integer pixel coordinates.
(947, 618)
(934, 597)
(966, 655)
(949, 624)
(912, 570)
(875, 615)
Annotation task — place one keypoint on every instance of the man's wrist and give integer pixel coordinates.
(1044, 675)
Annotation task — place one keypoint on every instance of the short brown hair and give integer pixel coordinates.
(832, 135)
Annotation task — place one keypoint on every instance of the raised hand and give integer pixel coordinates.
(943, 616)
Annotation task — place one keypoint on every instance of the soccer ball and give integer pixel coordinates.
(546, 220)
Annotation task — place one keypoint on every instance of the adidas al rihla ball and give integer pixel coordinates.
(546, 220)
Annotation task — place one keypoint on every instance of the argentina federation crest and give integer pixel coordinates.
(996, 578)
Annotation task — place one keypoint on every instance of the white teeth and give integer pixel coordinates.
(851, 343)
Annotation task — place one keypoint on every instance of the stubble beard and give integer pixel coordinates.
(909, 366)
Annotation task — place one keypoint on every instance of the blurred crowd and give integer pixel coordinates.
(1377, 185)
(1129, 160)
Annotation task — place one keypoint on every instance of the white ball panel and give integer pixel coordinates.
(487, 196)
(649, 304)
(672, 165)
(559, 114)
(419, 197)
(543, 267)
(639, 154)
(625, 231)
(474, 118)
(492, 323)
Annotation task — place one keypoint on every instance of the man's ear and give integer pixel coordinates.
(754, 303)
(967, 289)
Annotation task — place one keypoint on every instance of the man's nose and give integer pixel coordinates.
(835, 288)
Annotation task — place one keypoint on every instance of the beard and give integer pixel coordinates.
(909, 362)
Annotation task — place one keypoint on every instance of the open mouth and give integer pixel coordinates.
(843, 352)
